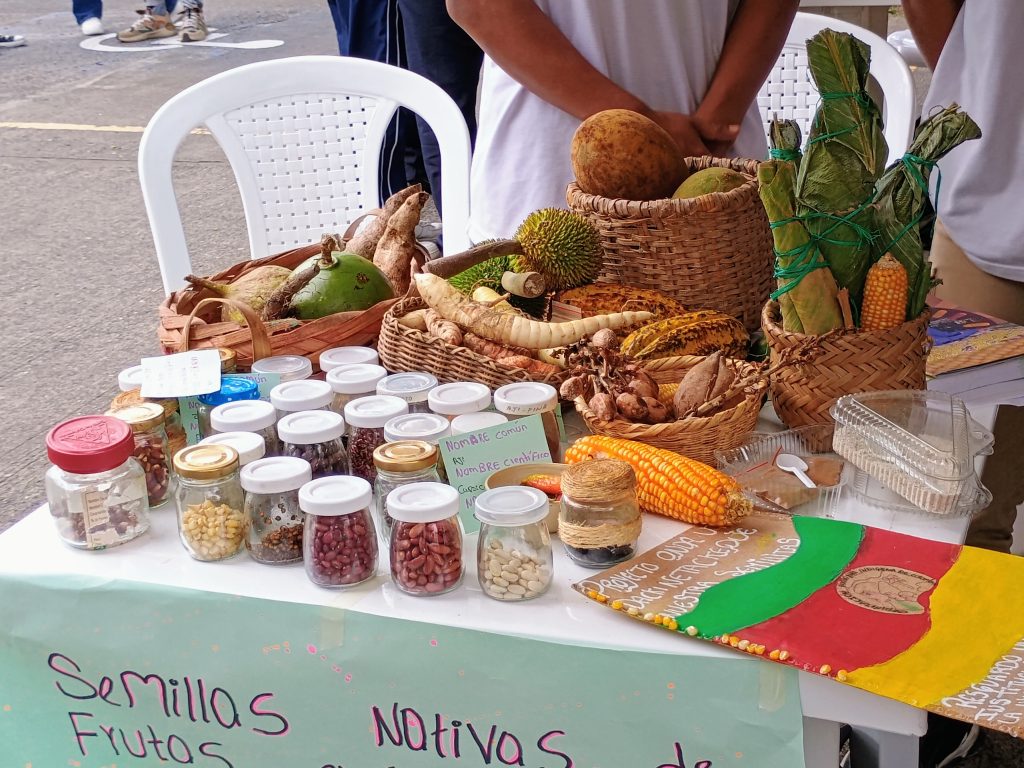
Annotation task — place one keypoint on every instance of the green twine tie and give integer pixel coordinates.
(789, 155)
(913, 164)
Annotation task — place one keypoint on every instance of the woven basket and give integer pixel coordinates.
(712, 251)
(190, 319)
(695, 437)
(406, 349)
(852, 361)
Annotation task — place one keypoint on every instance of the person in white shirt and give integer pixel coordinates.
(693, 66)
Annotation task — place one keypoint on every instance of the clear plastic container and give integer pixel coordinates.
(366, 417)
(473, 422)
(232, 389)
(400, 463)
(513, 555)
(257, 416)
(413, 387)
(96, 490)
(287, 367)
(337, 356)
(301, 395)
(250, 446)
(273, 519)
(315, 436)
(353, 381)
(921, 445)
(151, 451)
(526, 398)
(211, 520)
(340, 543)
(426, 540)
(460, 397)
(599, 522)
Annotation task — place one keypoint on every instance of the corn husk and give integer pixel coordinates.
(901, 198)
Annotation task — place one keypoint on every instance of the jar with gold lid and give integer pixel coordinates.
(228, 360)
(172, 418)
(599, 522)
(211, 519)
(151, 450)
(399, 463)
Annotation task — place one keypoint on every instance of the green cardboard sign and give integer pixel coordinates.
(470, 458)
(188, 407)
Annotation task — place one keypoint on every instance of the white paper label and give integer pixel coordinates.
(181, 375)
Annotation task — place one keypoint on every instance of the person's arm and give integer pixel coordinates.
(930, 22)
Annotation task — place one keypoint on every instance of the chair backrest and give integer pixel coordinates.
(303, 138)
(791, 94)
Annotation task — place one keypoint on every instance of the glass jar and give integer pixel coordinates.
(513, 554)
(96, 490)
(228, 360)
(337, 356)
(301, 395)
(426, 539)
(428, 427)
(414, 388)
(352, 381)
(340, 543)
(257, 416)
(473, 422)
(232, 389)
(526, 398)
(211, 520)
(461, 397)
(315, 436)
(407, 461)
(172, 419)
(599, 522)
(273, 519)
(147, 424)
(250, 446)
(366, 417)
(286, 367)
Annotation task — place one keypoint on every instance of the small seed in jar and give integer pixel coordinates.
(343, 550)
(416, 567)
(212, 531)
(281, 545)
(511, 574)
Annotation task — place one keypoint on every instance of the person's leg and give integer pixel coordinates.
(87, 9)
(339, 15)
(1002, 475)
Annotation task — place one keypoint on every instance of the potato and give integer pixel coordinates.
(603, 406)
(631, 407)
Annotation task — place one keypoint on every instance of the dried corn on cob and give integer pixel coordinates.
(885, 295)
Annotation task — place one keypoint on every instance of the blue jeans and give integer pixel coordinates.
(167, 8)
(87, 9)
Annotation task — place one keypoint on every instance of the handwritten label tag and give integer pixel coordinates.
(469, 459)
(188, 407)
(181, 375)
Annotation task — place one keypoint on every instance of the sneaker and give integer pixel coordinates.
(148, 27)
(947, 742)
(191, 25)
(91, 27)
(11, 41)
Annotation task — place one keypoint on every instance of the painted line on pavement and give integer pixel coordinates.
(91, 128)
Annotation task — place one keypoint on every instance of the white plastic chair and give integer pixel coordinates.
(790, 92)
(303, 137)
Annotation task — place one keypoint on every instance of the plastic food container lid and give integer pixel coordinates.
(232, 388)
(249, 445)
(206, 462)
(276, 474)
(332, 358)
(130, 378)
(142, 417)
(512, 505)
(471, 422)
(428, 427)
(355, 378)
(243, 416)
(423, 502)
(90, 444)
(301, 395)
(288, 367)
(308, 427)
(525, 398)
(458, 398)
(411, 387)
(374, 411)
(336, 495)
(405, 456)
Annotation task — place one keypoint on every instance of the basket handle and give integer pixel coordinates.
(257, 330)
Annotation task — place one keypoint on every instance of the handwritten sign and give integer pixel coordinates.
(188, 407)
(470, 458)
(186, 373)
(156, 676)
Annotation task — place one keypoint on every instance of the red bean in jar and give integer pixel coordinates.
(426, 540)
(366, 417)
(340, 543)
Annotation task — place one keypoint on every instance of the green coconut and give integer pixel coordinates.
(349, 283)
(714, 179)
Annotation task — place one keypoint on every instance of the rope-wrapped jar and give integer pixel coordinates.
(599, 522)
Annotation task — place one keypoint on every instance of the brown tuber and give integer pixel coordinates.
(577, 386)
(605, 339)
(603, 406)
(643, 388)
(657, 411)
(631, 407)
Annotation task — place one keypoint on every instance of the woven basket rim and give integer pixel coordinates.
(771, 317)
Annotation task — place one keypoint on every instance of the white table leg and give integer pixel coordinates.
(881, 749)
(821, 743)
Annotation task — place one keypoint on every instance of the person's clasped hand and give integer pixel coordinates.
(697, 135)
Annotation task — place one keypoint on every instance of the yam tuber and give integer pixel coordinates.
(529, 364)
(492, 298)
(397, 246)
(364, 242)
(415, 320)
(441, 328)
(603, 406)
(529, 285)
(490, 349)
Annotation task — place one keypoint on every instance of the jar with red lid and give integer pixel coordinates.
(340, 543)
(96, 489)
(426, 538)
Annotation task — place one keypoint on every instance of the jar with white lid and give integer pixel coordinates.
(130, 378)
(232, 389)
(147, 424)
(315, 436)
(526, 398)
(352, 381)
(413, 387)
(400, 463)
(426, 539)
(428, 427)
(337, 356)
(96, 490)
(340, 543)
(473, 422)
(366, 417)
(460, 397)
(287, 367)
(273, 519)
(514, 559)
(301, 395)
(211, 520)
(256, 416)
(250, 446)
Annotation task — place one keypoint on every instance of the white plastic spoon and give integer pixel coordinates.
(787, 462)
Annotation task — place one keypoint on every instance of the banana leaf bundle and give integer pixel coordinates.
(845, 155)
(901, 198)
(784, 140)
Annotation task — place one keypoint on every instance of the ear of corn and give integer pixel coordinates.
(885, 295)
(669, 484)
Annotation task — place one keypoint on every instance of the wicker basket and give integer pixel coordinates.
(712, 251)
(695, 437)
(190, 319)
(853, 361)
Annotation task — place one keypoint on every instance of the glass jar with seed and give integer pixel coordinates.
(526, 398)
(232, 389)
(514, 559)
(287, 367)
(340, 543)
(426, 539)
(301, 395)
(599, 521)
(428, 427)
(352, 381)
(256, 416)
(413, 387)
(273, 519)
(249, 445)
(407, 461)
(315, 436)
(336, 356)
(147, 424)
(176, 439)
(211, 521)
(457, 398)
(366, 417)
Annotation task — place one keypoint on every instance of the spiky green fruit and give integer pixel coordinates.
(487, 273)
(561, 245)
